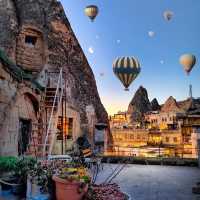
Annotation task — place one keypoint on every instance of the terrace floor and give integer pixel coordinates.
(155, 182)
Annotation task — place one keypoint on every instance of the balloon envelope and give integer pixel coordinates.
(151, 34)
(188, 61)
(91, 11)
(168, 15)
(126, 69)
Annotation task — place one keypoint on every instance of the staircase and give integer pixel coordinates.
(44, 131)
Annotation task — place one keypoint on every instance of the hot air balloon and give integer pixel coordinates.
(91, 11)
(188, 61)
(101, 74)
(168, 15)
(126, 69)
(151, 34)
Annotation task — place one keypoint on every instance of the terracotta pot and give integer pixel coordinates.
(68, 189)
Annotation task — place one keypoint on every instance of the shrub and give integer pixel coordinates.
(7, 163)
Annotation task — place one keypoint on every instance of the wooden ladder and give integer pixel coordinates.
(44, 133)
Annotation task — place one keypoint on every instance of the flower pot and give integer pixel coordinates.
(33, 189)
(68, 189)
(18, 189)
(12, 184)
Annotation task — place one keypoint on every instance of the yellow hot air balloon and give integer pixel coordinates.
(91, 11)
(188, 61)
(126, 69)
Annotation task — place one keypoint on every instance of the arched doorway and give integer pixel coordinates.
(27, 118)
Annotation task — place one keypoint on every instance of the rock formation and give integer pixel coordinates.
(155, 105)
(37, 37)
(139, 105)
(170, 105)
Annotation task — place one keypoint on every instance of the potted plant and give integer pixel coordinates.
(38, 181)
(21, 170)
(14, 173)
(71, 181)
(7, 166)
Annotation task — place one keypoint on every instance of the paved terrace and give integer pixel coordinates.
(152, 182)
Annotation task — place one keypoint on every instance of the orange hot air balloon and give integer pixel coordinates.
(188, 61)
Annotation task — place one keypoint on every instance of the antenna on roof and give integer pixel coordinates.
(190, 91)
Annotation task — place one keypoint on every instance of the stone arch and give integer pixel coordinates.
(30, 49)
(28, 107)
(26, 93)
(33, 100)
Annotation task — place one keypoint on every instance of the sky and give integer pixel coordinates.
(123, 28)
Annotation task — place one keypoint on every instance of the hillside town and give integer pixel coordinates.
(149, 129)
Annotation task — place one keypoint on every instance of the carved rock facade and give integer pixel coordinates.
(38, 38)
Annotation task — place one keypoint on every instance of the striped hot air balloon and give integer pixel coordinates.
(126, 69)
(91, 11)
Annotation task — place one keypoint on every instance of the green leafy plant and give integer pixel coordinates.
(22, 168)
(86, 179)
(8, 163)
(39, 174)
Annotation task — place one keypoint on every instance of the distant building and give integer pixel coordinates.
(195, 143)
(130, 137)
(119, 120)
(174, 127)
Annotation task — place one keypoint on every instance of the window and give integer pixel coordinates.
(70, 128)
(167, 139)
(67, 128)
(30, 40)
(175, 139)
(132, 137)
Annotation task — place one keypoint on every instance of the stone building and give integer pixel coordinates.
(130, 137)
(119, 120)
(177, 122)
(36, 42)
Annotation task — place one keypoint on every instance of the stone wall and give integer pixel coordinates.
(15, 104)
(62, 50)
(30, 49)
(8, 27)
(37, 36)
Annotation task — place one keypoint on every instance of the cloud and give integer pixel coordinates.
(118, 41)
(97, 37)
(91, 50)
